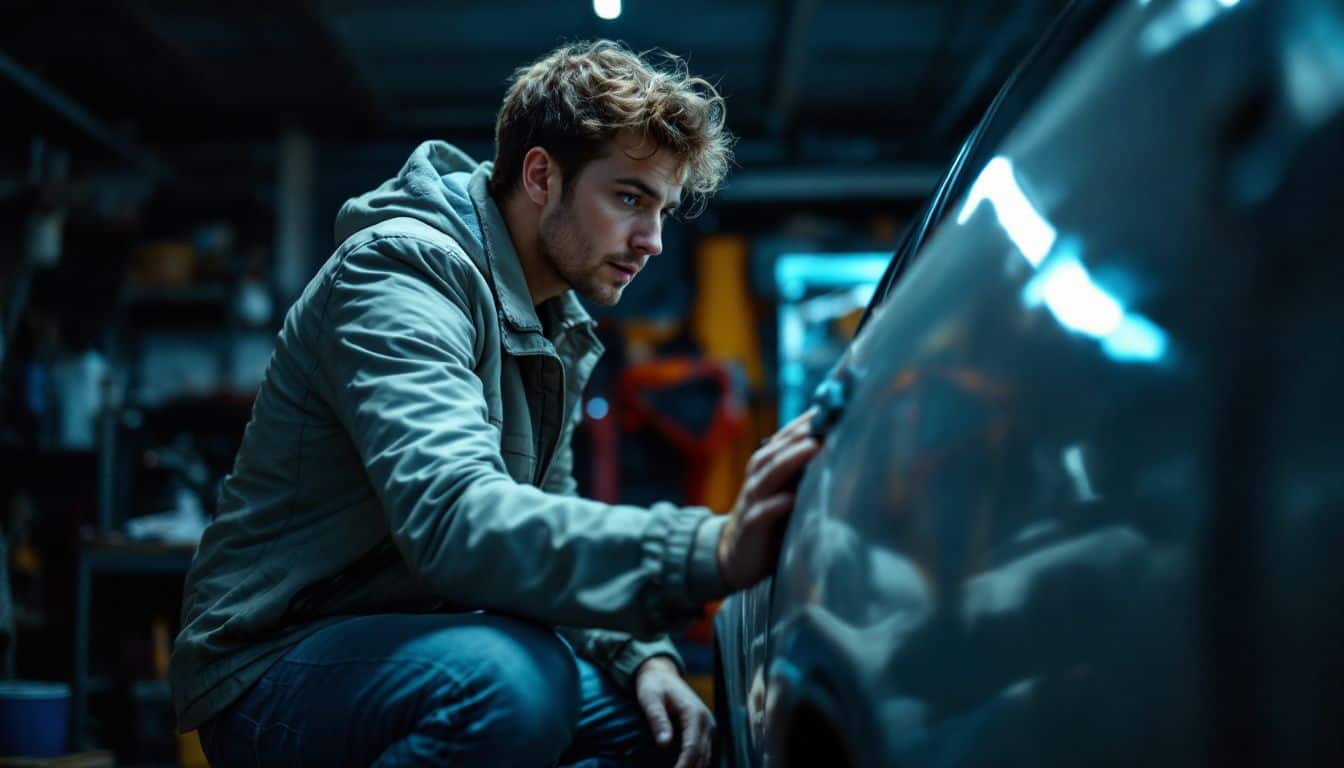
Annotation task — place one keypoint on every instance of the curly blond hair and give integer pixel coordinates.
(573, 101)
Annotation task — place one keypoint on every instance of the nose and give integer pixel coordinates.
(647, 239)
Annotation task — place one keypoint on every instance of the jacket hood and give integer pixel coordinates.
(432, 187)
(442, 187)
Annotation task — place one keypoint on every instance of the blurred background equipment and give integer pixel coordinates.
(821, 299)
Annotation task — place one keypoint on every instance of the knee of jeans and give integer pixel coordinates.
(535, 691)
(525, 696)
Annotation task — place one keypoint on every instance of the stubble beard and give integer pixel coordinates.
(569, 254)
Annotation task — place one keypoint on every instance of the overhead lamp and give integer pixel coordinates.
(607, 9)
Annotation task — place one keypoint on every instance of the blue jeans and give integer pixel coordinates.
(467, 689)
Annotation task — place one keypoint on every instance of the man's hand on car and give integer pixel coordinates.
(749, 542)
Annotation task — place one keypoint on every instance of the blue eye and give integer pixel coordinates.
(630, 199)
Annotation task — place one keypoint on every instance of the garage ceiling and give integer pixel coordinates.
(806, 80)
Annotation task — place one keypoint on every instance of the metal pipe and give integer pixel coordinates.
(796, 23)
(894, 182)
(82, 118)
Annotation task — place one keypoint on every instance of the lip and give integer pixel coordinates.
(626, 273)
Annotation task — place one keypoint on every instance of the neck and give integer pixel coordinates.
(523, 219)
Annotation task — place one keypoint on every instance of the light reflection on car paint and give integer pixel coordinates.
(1062, 283)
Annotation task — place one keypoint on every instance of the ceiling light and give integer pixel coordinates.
(607, 9)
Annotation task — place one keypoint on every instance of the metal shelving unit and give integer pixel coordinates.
(140, 311)
(105, 555)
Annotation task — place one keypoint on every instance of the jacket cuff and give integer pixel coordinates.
(671, 544)
(636, 652)
(704, 581)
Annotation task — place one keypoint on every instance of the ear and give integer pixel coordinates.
(541, 176)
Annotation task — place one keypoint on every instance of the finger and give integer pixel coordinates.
(794, 434)
(780, 470)
(659, 722)
(690, 735)
(800, 425)
(803, 424)
(776, 470)
(758, 458)
(691, 729)
(800, 422)
(706, 741)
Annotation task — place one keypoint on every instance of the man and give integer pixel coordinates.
(399, 572)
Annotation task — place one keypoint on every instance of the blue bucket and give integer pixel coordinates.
(34, 718)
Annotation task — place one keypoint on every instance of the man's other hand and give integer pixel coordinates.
(672, 706)
(749, 543)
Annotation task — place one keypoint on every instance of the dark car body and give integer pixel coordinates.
(1081, 500)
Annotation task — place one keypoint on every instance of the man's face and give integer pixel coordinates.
(609, 221)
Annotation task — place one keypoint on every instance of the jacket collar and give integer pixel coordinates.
(506, 270)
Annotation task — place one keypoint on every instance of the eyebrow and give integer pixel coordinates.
(642, 187)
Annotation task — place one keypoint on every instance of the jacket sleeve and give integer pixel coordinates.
(401, 322)
(617, 652)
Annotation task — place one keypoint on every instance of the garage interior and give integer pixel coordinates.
(168, 181)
